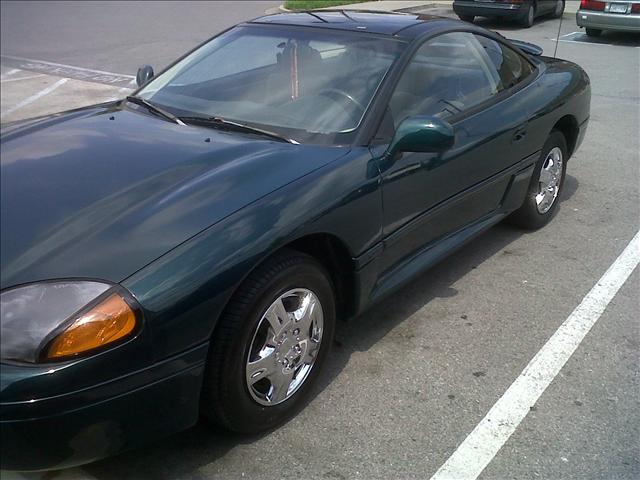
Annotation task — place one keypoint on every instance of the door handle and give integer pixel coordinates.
(519, 135)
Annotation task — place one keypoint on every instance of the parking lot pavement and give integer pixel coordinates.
(97, 44)
(116, 35)
(27, 94)
(410, 380)
(559, 438)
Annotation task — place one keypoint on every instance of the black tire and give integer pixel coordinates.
(529, 17)
(467, 18)
(593, 32)
(559, 11)
(527, 216)
(226, 400)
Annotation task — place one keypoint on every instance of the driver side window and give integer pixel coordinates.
(447, 75)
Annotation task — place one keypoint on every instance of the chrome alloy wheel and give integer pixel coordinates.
(549, 182)
(284, 346)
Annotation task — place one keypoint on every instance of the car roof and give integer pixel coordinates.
(386, 23)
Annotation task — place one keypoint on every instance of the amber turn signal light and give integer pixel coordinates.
(109, 321)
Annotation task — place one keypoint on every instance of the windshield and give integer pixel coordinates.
(308, 84)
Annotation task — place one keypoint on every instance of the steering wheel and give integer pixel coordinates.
(332, 92)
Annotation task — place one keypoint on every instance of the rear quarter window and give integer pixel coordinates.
(511, 67)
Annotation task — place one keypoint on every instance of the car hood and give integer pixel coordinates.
(101, 192)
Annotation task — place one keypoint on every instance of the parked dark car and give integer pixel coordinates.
(186, 251)
(523, 11)
(595, 16)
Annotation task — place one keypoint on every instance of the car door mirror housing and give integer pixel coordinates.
(145, 73)
(422, 134)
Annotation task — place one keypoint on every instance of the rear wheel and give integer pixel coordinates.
(529, 16)
(269, 345)
(593, 32)
(559, 10)
(546, 185)
(467, 18)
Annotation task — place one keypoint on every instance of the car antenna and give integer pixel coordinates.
(558, 36)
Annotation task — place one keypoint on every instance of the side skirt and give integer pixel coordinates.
(372, 287)
(431, 255)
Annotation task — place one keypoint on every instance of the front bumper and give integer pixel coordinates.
(608, 21)
(71, 429)
(490, 9)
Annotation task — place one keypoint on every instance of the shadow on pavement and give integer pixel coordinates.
(363, 332)
(181, 455)
(619, 39)
(492, 23)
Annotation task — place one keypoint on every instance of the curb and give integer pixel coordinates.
(283, 9)
(274, 10)
(417, 9)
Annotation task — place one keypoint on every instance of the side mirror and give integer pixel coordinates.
(422, 134)
(145, 73)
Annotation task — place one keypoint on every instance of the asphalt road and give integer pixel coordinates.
(116, 36)
(409, 380)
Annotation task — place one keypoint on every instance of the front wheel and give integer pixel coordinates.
(269, 345)
(545, 187)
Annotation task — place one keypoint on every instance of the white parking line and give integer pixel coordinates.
(54, 64)
(70, 71)
(484, 442)
(35, 97)
(585, 40)
(9, 73)
(5, 80)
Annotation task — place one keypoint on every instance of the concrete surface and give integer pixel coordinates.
(21, 85)
(116, 36)
(387, 5)
(409, 380)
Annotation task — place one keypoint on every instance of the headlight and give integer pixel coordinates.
(59, 320)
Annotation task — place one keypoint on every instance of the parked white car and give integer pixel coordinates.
(596, 16)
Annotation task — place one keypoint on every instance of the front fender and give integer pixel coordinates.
(184, 292)
(563, 90)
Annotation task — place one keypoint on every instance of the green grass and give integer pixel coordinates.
(311, 4)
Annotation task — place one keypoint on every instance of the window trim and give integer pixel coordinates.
(515, 50)
(385, 92)
(500, 96)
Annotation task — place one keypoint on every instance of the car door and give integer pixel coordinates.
(427, 196)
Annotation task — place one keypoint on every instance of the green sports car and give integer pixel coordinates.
(185, 252)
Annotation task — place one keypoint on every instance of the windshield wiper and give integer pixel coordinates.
(154, 108)
(219, 122)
